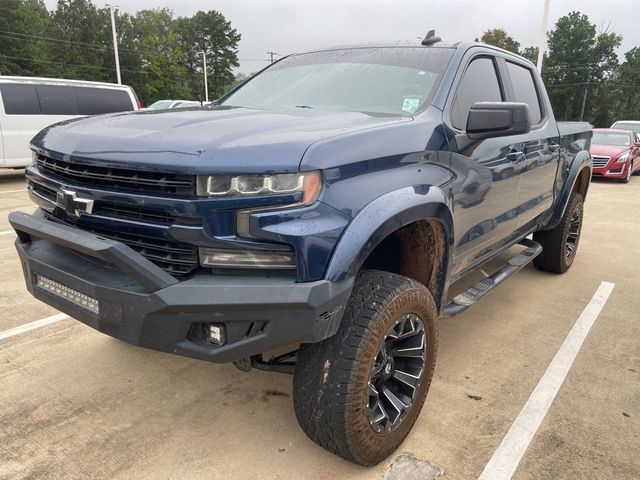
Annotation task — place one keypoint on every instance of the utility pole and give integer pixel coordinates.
(115, 40)
(586, 89)
(542, 44)
(271, 54)
(204, 71)
(584, 100)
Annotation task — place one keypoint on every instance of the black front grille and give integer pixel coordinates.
(115, 210)
(127, 211)
(43, 191)
(173, 257)
(137, 180)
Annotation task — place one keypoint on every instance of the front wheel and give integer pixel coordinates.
(359, 392)
(627, 177)
(560, 244)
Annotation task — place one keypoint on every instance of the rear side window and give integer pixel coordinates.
(23, 99)
(19, 99)
(57, 100)
(92, 101)
(525, 89)
(479, 84)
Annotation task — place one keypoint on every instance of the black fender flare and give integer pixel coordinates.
(382, 217)
(582, 161)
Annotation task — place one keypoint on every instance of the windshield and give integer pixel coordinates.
(604, 138)
(161, 104)
(395, 81)
(634, 127)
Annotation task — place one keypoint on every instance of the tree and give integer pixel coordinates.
(22, 52)
(212, 33)
(580, 62)
(498, 37)
(603, 97)
(531, 54)
(164, 72)
(80, 44)
(627, 78)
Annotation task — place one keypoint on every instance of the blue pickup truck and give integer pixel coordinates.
(311, 221)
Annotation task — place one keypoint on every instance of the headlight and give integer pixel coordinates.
(308, 184)
(623, 158)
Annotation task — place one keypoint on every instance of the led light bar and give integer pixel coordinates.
(69, 294)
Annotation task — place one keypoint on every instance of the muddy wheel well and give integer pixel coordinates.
(417, 251)
(582, 182)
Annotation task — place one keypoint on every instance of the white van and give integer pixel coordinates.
(29, 104)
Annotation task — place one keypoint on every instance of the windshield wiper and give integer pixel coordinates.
(304, 106)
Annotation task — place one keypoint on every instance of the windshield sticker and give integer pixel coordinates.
(411, 104)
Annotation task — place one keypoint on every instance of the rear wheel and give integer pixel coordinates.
(560, 245)
(359, 392)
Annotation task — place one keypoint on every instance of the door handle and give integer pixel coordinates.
(554, 147)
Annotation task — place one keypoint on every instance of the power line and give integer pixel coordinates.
(95, 67)
(94, 46)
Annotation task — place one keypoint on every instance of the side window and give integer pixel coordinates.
(479, 84)
(93, 101)
(57, 100)
(525, 89)
(19, 99)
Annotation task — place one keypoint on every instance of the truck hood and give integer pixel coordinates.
(232, 140)
(612, 151)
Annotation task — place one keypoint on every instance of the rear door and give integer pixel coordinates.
(539, 149)
(485, 184)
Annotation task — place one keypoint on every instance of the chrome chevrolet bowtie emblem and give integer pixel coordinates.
(69, 201)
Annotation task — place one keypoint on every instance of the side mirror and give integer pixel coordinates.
(498, 119)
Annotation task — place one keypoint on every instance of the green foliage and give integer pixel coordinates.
(212, 33)
(160, 55)
(531, 54)
(581, 71)
(19, 52)
(628, 79)
(578, 68)
(498, 37)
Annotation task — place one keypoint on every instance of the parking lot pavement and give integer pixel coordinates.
(77, 404)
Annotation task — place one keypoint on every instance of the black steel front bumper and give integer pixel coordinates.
(143, 305)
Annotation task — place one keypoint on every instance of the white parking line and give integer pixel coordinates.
(13, 191)
(506, 458)
(27, 327)
(7, 232)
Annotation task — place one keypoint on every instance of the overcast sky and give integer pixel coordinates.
(286, 26)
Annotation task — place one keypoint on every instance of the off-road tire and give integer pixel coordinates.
(330, 385)
(554, 257)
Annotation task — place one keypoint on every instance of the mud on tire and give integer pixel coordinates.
(389, 319)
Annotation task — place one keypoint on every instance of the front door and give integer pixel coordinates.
(485, 172)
